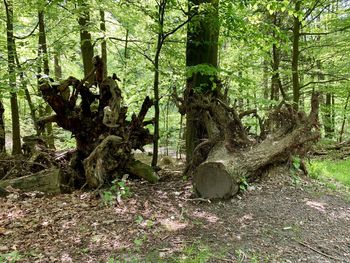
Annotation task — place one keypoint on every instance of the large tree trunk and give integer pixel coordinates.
(230, 162)
(201, 49)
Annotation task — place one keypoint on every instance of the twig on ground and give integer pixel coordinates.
(197, 199)
(318, 251)
(8, 173)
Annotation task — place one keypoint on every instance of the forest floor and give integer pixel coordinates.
(280, 218)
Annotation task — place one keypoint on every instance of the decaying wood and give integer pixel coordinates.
(104, 137)
(142, 170)
(104, 160)
(47, 181)
(110, 157)
(236, 158)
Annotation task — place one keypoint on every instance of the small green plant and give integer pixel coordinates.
(139, 219)
(295, 169)
(195, 253)
(123, 190)
(118, 190)
(13, 256)
(243, 184)
(108, 198)
(295, 179)
(140, 241)
(296, 162)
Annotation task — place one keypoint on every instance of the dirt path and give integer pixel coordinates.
(274, 221)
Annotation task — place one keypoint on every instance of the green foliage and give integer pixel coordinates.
(296, 162)
(108, 198)
(243, 184)
(118, 190)
(139, 241)
(139, 219)
(195, 253)
(11, 257)
(247, 33)
(336, 170)
(295, 169)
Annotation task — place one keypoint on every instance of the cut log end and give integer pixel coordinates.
(211, 180)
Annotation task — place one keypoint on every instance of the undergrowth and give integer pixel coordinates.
(330, 170)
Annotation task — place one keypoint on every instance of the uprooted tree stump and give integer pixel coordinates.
(104, 137)
(109, 158)
(230, 157)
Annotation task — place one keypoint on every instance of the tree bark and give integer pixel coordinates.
(96, 129)
(2, 129)
(44, 58)
(344, 119)
(229, 162)
(109, 157)
(295, 56)
(201, 49)
(58, 68)
(161, 12)
(26, 92)
(103, 44)
(87, 51)
(47, 181)
(16, 133)
(328, 116)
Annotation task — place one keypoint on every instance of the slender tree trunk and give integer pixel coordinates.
(161, 12)
(58, 68)
(166, 120)
(295, 56)
(2, 129)
(87, 51)
(43, 54)
(276, 83)
(327, 107)
(126, 56)
(266, 79)
(16, 134)
(333, 112)
(328, 116)
(179, 142)
(156, 110)
(344, 119)
(103, 44)
(26, 92)
(201, 49)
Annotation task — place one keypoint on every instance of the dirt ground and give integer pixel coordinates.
(278, 219)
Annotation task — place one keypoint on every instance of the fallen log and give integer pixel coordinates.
(142, 170)
(227, 165)
(47, 181)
